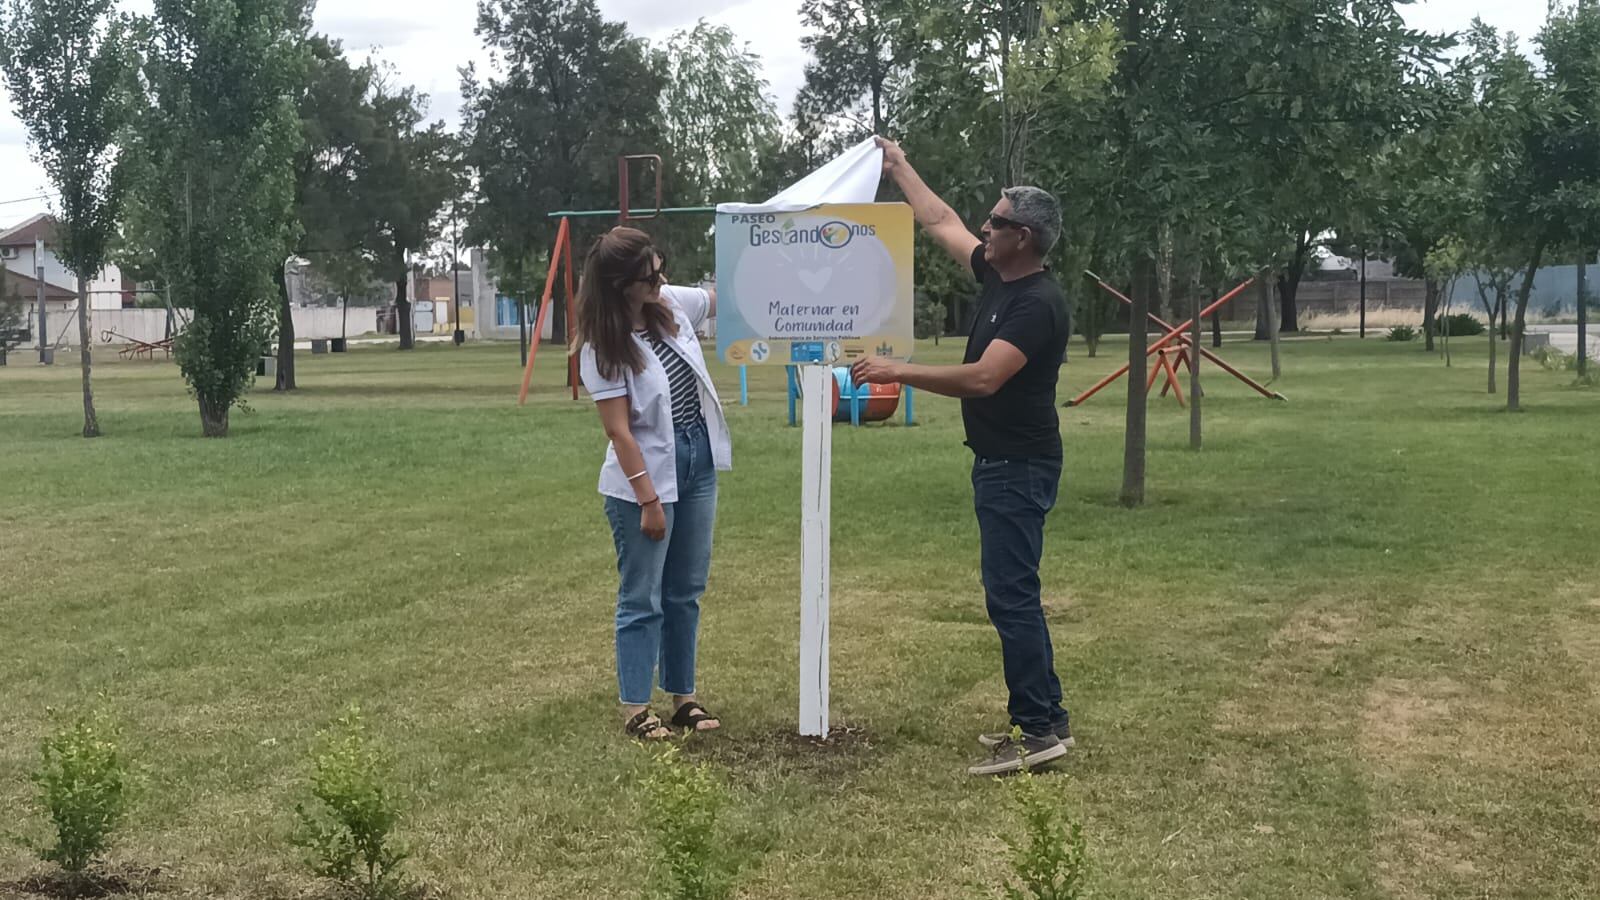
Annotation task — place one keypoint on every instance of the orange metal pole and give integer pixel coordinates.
(572, 324)
(1184, 339)
(1172, 333)
(563, 238)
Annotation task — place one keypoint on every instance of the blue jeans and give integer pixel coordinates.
(658, 600)
(1012, 498)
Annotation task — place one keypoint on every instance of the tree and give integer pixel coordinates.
(335, 215)
(414, 172)
(1335, 83)
(857, 48)
(221, 135)
(1548, 187)
(566, 93)
(719, 123)
(67, 64)
(1447, 264)
(1570, 44)
(13, 317)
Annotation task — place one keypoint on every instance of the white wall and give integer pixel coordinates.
(122, 326)
(105, 292)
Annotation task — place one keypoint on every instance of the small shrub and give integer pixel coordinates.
(929, 317)
(1559, 361)
(1402, 333)
(1556, 360)
(1461, 325)
(684, 803)
(85, 787)
(349, 831)
(1049, 858)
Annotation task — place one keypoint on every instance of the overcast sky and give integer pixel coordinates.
(425, 48)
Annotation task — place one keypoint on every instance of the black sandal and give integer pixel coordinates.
(645, 726)
(691, 714)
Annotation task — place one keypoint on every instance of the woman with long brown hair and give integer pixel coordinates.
(641, 362)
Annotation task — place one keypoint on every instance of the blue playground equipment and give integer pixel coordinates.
(855, 403)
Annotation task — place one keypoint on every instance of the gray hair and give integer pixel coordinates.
(1039, 210)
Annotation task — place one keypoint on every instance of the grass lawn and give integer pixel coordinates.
(1351, 649)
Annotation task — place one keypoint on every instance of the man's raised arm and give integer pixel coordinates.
(933, 214)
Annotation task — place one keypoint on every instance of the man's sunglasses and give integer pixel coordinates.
(1003, 222)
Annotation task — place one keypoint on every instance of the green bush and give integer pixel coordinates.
(684, 803)
(85, 787)
(1402, 333)
(349, 831)
(929, 317)
(1555, 360)
(1049, 859)
(1461, 325)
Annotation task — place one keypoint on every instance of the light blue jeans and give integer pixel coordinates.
(658, 599)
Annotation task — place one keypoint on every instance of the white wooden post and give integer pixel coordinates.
(816, 487)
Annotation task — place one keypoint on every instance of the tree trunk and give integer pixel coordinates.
(1288, 290)
(1493, 351)
(1133, 451)
(1194, 375)
(344, 317)
(1430, 308)
(1449, 298)
(1583, 314)
(213, 417)
(1493, 310)
(402, 308)
(1132, 151)
(1269, 310)
(1505, 330)
(1264, 308)
(1093, 344)
(1216, 330)
(1514, 364)
(91, 422)
(522, 329)
(285, 333)
(558, 319)
(1164, 301)
(1364, 294)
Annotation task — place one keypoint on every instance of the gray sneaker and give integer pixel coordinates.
(995, 739)
(1013, 756)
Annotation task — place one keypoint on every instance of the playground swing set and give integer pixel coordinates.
(851, 402)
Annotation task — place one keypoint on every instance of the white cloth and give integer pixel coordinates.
(850, 178)
(650, 402)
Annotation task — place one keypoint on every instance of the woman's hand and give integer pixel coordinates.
(653, 521)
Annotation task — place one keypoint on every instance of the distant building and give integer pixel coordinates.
(17, 246)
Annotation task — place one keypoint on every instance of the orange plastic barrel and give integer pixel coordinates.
(877, 401)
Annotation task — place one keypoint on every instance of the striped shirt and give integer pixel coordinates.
(681, 378)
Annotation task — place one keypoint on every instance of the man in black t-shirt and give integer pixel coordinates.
(1007, 386)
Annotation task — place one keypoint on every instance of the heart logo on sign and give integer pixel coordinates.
(815, 279)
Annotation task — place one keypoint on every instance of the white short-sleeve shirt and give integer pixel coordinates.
(650, 402)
